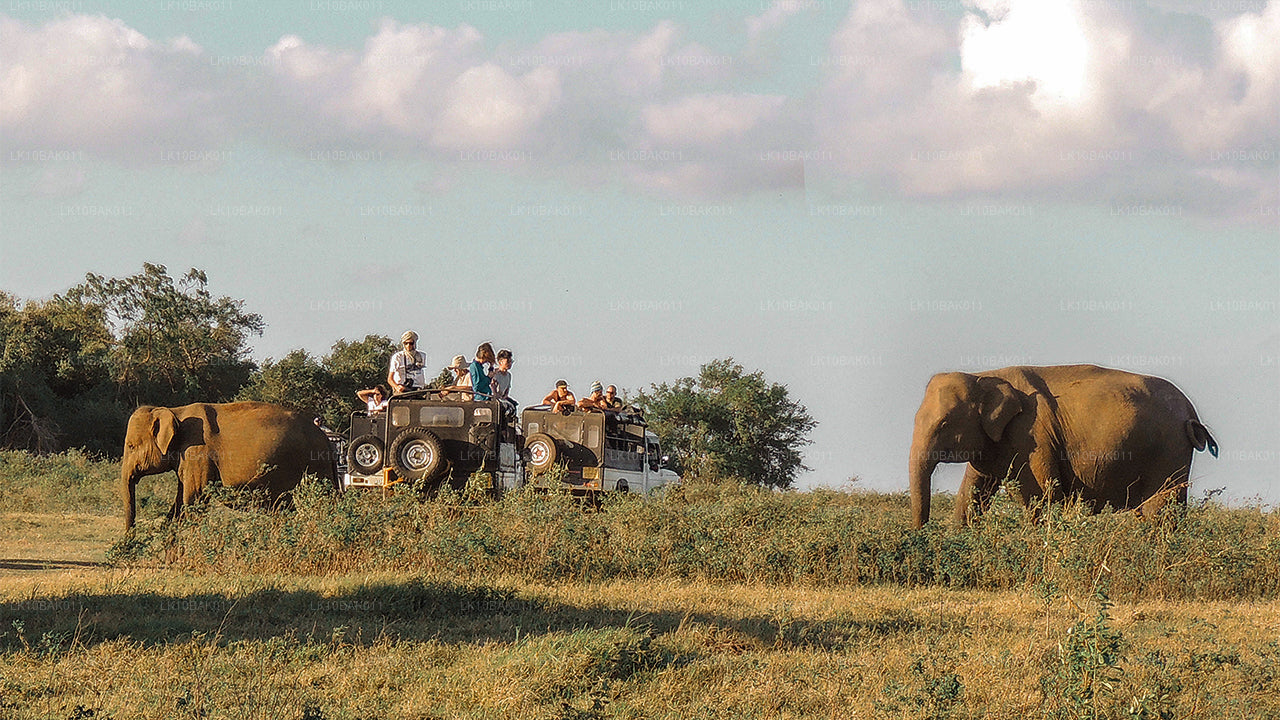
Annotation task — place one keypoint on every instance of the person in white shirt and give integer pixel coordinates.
(375, 399)
(408, 367)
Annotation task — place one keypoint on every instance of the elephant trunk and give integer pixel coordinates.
(923, 462)
(129, 490)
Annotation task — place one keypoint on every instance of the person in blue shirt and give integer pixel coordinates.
(480, 369)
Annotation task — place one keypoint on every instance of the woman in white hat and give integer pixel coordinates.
(461, 370)
(408, 366)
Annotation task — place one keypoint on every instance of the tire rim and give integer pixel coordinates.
(538, 454)
(367, 455)
(417, 455)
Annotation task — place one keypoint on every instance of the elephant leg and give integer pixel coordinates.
(176, 511)
(1024, 483)
(974, 497)
(1174, 489)
(193, 473)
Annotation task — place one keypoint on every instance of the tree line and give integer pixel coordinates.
(74, 366)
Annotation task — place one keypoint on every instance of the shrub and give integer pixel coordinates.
(735, 534)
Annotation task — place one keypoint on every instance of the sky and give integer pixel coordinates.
(846, 196)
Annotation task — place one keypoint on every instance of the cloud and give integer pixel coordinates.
(775, 16)
(429, 86)
(92, 83)
(706, 119)
(645, 107)
(1007, 98)
(1020, 98)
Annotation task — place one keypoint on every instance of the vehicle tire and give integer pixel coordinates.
(540, 452)
(623, 487)
(365, 455)
(416, 454)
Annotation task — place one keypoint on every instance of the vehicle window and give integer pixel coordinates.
(565, 429)
(400, 415)
(624, 456)
(533, 428)
(593, 437)
(655, 459)
(430, 416)
(483, 415)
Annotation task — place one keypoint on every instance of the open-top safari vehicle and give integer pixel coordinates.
(598, 450)
(423, 439)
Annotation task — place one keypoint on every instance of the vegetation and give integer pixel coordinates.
(707, 601)
(327, 386)
(173, 343)
(72, 368)
(729, 423)
(738, 534)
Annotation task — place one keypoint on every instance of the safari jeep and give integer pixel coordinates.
(422, 439)
(607, 450)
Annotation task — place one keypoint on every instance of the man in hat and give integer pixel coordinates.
(408, 366)
(560, 399)
(594, 401)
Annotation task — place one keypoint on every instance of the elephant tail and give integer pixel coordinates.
(1200, 437)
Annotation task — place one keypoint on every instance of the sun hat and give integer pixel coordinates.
(459, 361)
(408, 336)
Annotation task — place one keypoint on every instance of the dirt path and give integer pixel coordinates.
(44, 542)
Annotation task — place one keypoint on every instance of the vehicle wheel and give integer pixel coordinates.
(540, 452)
(365, 455)
(623, 487)
(417, 454)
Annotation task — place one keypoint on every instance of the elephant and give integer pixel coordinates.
(249, 445)
(1108, 436)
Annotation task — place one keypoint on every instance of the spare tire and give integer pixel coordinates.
(365, 455)
(540, 452)
(416, 454)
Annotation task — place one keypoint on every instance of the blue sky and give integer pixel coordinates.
(847, 196)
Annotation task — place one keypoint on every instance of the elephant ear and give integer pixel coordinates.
(166, 428)
(1000, 404)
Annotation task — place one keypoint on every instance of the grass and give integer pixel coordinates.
(709, 602)
(733, 534)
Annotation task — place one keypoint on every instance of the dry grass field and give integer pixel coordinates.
(363, 608)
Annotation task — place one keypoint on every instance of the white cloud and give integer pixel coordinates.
(1041, 42)
(90, 82)
(776, 15)
(708, 118)
(488, 107)
(1010, 97)
(1022, 97)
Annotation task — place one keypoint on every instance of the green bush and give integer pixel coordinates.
(737, 534)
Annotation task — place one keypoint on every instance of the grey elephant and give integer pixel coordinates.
(249, 445)
(1108, 436)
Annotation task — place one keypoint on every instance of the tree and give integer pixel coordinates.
(175, 343)
(55, 388)
(326, 387)
(358, 365)
(726, 422)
